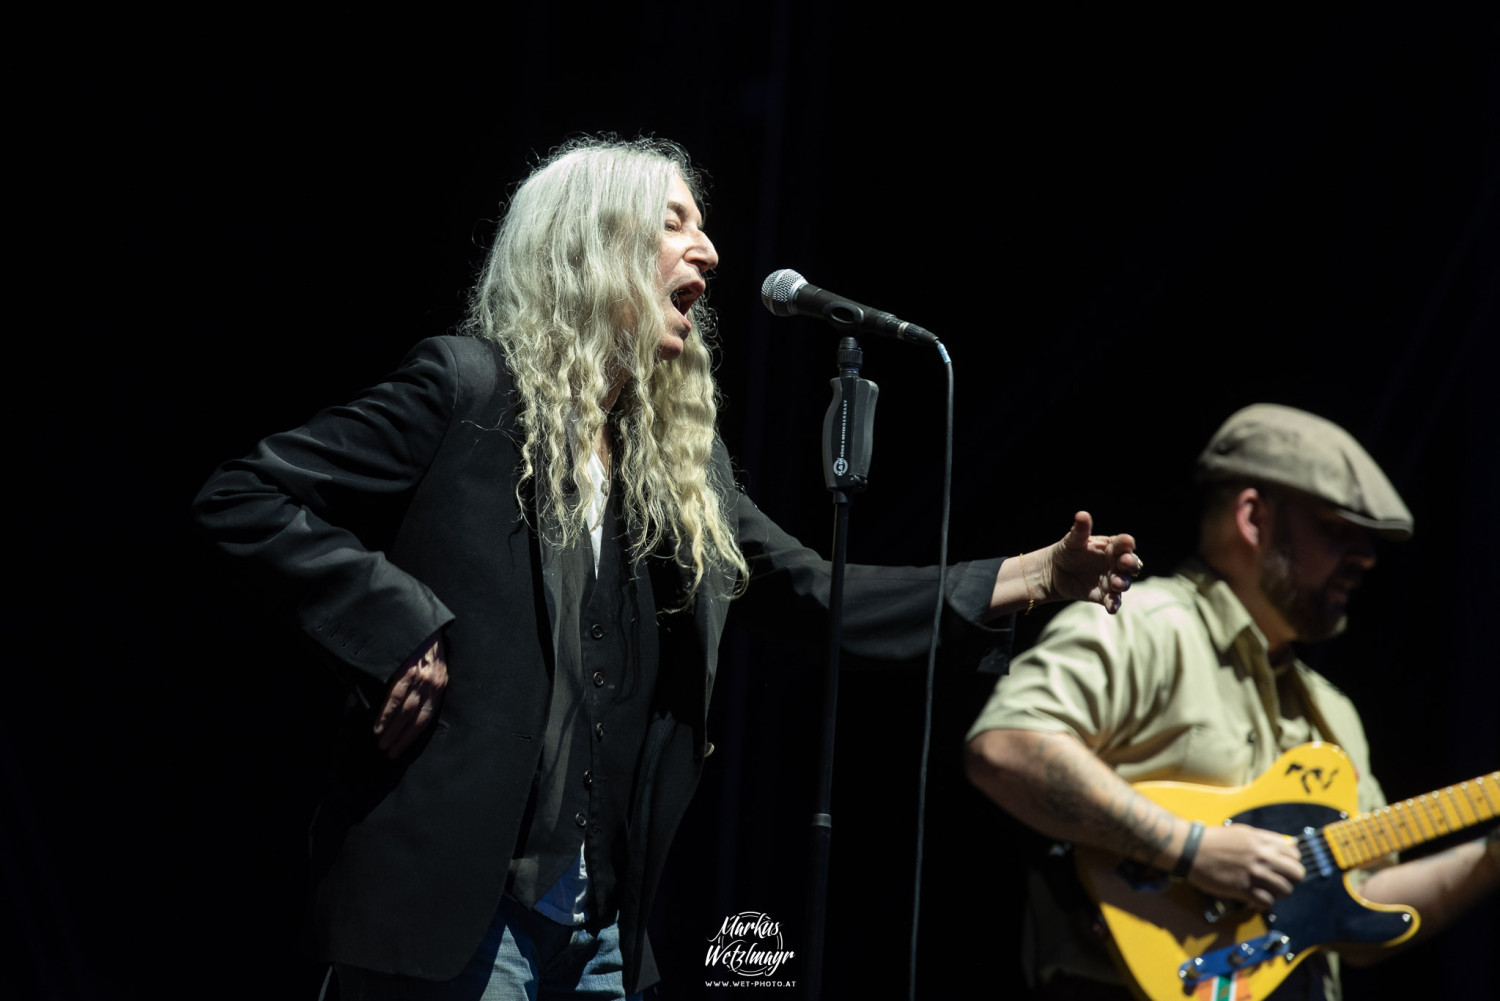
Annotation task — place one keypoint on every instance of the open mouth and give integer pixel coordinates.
(684, 296)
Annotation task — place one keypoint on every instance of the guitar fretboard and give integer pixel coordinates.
(1366, 837)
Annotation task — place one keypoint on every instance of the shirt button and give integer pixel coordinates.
(580, 819)
(598, 679)
(599, 730)
(588, 780)
(597, 631)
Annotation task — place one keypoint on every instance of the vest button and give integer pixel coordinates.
(588, 780)
(580, 819)
(598, 679)
(597, 631)
(599, 730)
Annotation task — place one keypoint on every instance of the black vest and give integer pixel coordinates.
(602, 691)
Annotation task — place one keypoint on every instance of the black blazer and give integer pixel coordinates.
(386, 520)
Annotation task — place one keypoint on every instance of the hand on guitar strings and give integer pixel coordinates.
(1246, 863)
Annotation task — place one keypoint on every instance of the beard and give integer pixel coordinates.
(1313, 613)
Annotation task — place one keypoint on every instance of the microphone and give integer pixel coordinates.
(786, 293)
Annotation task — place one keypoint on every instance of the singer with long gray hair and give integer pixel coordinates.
(520, 549)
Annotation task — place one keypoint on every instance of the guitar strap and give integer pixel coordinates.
(1310, 706)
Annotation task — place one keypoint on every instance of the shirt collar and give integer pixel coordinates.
(1223, 613)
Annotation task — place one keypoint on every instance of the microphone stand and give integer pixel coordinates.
(848, 430)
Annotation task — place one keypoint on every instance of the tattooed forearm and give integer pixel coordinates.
(1056, 784)
(1104, 809)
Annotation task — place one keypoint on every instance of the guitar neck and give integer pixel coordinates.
(1366, 837)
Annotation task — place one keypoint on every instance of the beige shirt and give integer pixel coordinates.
(1177, 686)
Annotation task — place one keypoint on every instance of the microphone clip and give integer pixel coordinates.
(849, 425)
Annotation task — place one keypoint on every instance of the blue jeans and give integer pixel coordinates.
(524, 957)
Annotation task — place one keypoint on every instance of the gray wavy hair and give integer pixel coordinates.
(571, 293)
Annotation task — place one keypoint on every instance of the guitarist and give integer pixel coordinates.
(1197, 681)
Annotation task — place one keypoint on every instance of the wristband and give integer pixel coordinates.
(1189, 850)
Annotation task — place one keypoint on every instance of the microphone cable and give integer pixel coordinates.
(937, 623)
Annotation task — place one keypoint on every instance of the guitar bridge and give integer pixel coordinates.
(1228, 961)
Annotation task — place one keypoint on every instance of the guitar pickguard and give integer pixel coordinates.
(1321, 911)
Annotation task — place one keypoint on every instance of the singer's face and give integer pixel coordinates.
(686, 256)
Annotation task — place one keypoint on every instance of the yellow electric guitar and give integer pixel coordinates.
(1175, 942)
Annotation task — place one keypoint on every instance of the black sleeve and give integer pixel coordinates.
(888, 611)
(284, 510)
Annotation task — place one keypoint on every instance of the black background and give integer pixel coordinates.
(1124, 225)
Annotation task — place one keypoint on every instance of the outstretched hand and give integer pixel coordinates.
(413, 699)
(1086, 567)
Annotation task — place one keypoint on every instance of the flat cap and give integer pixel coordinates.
(1293, 448)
